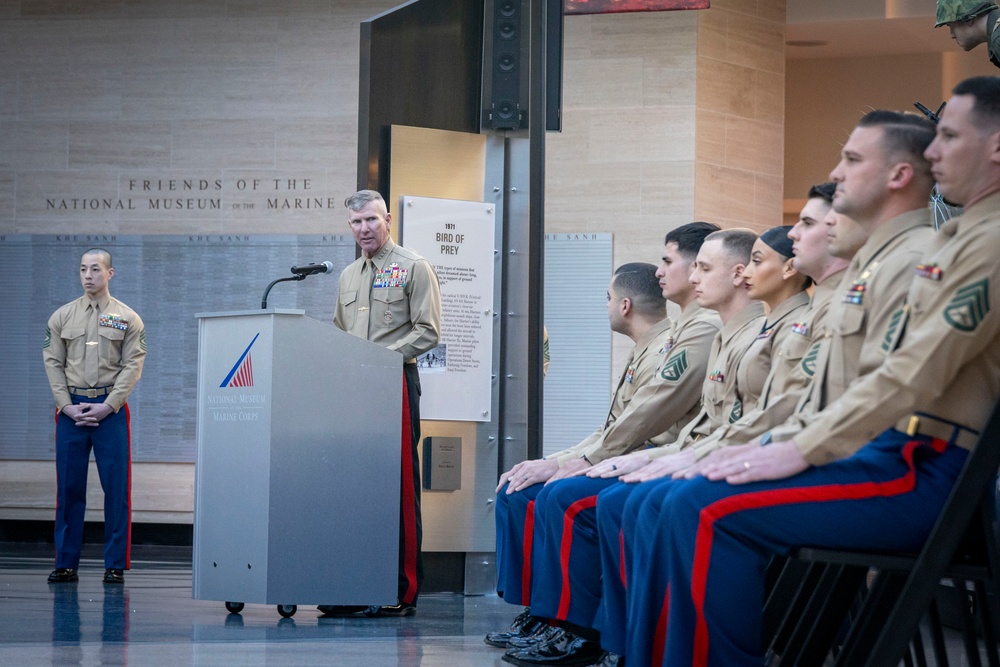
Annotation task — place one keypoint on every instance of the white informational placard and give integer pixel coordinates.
(457, 238)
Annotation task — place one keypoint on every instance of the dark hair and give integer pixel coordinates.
(905, 135)
(737, 243)
(777, 240)
(689, 237)
(104, 254)
(823, 191)
(986, 91)
(638, 282)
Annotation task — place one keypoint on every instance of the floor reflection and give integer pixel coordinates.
(152, 619)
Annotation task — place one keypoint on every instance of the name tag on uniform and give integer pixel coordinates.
(112, 320)
(801, 328)
(930, 271)
(717, 376)
(390, 276)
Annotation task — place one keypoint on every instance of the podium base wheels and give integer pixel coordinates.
(286, 610)
(234, 607)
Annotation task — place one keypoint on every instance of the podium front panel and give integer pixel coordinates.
(297, 484)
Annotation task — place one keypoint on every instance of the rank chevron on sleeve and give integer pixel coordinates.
(809, 361)
(675, 366)
(969, 306)
(890, 332)
(736, 412)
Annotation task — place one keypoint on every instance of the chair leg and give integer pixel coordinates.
(968, 623)
(917, 650)
(984, 614)
(788, 598)
(828, 611)
(937, 635)
(865, 630)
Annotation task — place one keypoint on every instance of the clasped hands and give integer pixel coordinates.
(87, 414)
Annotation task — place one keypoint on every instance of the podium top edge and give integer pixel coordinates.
(244, 313)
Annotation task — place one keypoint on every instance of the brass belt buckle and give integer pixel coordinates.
(911, 428)
(91, 392)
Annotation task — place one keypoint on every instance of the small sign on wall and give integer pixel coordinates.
(442, 459)
(457, 238)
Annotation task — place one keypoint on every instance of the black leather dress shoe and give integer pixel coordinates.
(566, 650)
(610, 659)
(545, 633)
(401, 609)
(62, 575)
(113, 575)
(523, 626)
(340, 610)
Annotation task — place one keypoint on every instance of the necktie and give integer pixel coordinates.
(364, 300)
(621, 381)
(92, 351)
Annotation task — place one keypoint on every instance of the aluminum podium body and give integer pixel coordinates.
(298, 464)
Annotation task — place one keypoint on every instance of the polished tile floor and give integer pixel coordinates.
(152, 620)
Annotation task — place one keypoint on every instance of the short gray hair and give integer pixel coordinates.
(362, 198)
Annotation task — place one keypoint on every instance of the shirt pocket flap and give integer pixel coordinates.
(71, 333)
(347, 297)
(111, 333)
(388, 295)
(853, 321)
(795, 347)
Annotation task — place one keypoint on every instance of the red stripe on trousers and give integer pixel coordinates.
(567, 545)
(54, 554)
(772, 498)
(529, 534)
(621, 557)
(660, 636)
(408, 506)
(128, 473)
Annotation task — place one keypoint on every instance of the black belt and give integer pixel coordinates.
(931, 426)
(90, 392)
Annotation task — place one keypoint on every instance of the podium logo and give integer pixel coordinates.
(241, 374)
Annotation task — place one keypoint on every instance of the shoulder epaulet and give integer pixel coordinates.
(407, 253)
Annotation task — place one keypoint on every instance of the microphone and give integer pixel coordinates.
(310, 269)
(298, 273)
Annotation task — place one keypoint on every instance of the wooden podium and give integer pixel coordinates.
(298, 465)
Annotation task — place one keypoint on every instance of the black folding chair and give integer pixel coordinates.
(818, 589)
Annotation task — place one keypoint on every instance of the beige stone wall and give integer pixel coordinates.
(624, 160)
(740, 113)
(97, 97)
(669, 117)
(827, 96)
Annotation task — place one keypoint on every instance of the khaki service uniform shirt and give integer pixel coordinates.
(752, 375)
(945, 371)
(392, 299)
(866, 307)
(720, 396)
(642, 368)
(666, 404)
(788, 378)
(94, 344)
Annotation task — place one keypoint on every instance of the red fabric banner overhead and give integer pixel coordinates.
(614, 6)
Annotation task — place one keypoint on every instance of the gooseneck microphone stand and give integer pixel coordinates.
(263, 301)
